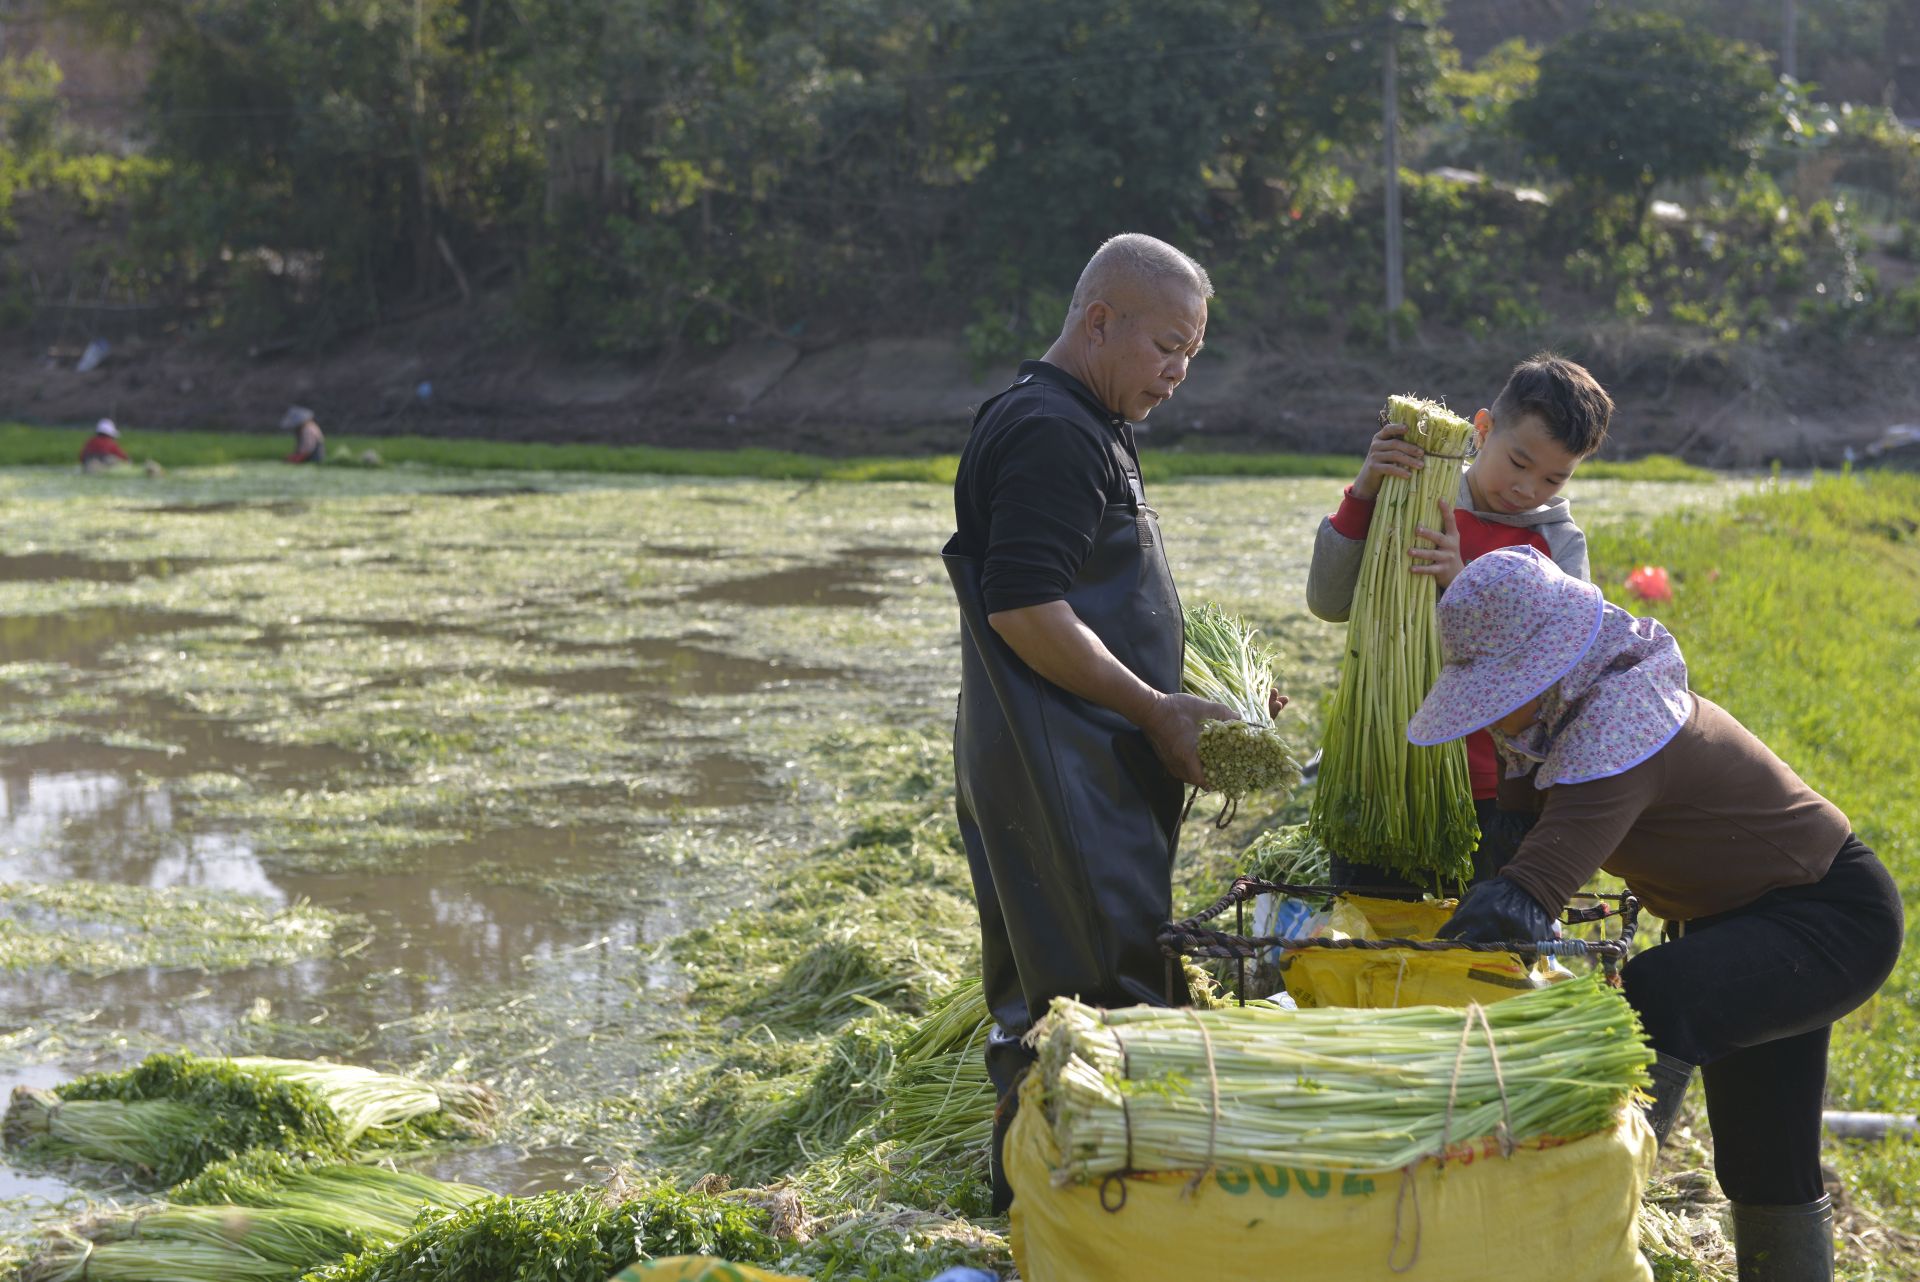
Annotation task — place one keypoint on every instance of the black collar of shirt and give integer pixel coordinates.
(1054, 376)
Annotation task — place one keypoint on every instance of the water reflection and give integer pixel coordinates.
(473, 915)
(519, 1172)
(98, 826)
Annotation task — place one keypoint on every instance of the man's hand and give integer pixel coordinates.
(1389, 455)
(1442, 560)
(1172, 726)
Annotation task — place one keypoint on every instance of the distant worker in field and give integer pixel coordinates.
(1072, 743)
(309, 442)
(1549, 418)
(1779, 919)
(102, 449)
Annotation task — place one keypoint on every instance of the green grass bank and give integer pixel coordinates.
(1799, 611)
(25, 445)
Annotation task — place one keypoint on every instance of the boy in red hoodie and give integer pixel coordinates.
(1550, 416)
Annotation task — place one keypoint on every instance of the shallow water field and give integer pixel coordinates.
(435, 770)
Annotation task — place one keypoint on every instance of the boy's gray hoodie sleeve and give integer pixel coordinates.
(1334, 571)
(1568, 548)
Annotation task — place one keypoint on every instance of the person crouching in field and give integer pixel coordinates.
(1551, 416)
(1779, 919)
(102, 449)
(309, 443)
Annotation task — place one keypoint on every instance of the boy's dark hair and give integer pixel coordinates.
(1567, 399)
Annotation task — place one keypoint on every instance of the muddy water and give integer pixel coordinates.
(657, 669)
(59, 566)
(845, 582)
(78, 637)
(105, 797)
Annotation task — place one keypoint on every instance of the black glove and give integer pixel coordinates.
(1497, 911)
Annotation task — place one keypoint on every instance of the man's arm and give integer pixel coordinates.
(1052, 640)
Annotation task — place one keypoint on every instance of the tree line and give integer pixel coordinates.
(655, 172)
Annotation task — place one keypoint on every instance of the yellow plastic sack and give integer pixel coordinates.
(1567, 1211)
(1393, 977)
(697, 1268)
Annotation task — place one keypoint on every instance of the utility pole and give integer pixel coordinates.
(1396, 288)
(423, 230)
(1790, 39)
(1390, 107)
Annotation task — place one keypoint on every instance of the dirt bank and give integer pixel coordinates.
(1803, 403)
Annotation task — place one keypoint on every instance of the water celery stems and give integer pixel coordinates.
(145, 1135)
(170, 1115)
(939, 1095)
(364, 1099)
(581, 1236)
(1289, 855)
(201, 1244)
(1367, 1091)
(1380, 800)
(265, 1178)
(262, 1217)
(1226, 661)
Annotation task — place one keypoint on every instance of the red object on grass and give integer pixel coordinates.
(1650, 583)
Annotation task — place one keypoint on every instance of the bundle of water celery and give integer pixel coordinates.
(170, 1115)
(1227, 661)
(259, 1218)
(1334, 1088)
(1380, 800)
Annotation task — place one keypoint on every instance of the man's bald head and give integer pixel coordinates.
(1139, 315)
(1132, 266)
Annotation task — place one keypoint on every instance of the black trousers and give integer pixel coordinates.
(1501, 832)
(1751, 996)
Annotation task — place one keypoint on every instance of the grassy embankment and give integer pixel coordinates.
(1799, 611)
(22, 445)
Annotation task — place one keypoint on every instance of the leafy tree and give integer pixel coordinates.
(327, 160)
(1641, 98)
(1187, 119)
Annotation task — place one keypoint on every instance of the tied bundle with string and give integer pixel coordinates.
(169, 1116)
(1380, 800)
(262, 1217)
(1152, 1089)
(1227, 661)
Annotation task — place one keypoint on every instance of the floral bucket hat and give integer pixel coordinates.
(1511, 624)
(1514, 625)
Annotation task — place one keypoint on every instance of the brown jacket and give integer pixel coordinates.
(1707, 824)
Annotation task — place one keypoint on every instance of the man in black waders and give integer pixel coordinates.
(1072, 744)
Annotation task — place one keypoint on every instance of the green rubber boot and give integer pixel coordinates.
(1784, 1243)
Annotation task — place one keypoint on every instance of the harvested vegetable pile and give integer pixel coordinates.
(939, 1098)
(171, 1115)
(1380, 800)
(1226, 661)
(1367, 1091)
(365, 1100)
(581, 1236)
(261, 1217)
(1289, 855)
